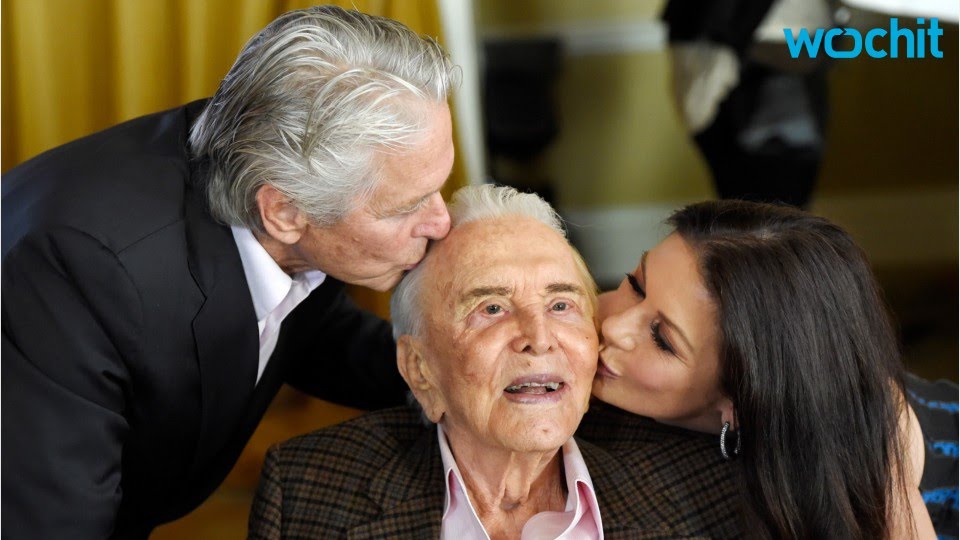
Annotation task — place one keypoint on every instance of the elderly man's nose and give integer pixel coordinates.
(436, 222)
(534, 336)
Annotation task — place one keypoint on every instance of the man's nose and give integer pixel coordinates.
(534, 335)
(436, 222)
(621, 330)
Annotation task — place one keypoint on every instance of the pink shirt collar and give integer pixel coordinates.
(579, 520)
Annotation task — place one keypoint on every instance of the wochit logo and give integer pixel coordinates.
(915, 41)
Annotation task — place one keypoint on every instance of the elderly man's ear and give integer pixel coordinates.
(282, 220)
(420, 379)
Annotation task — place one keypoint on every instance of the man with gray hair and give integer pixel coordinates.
(163, 278)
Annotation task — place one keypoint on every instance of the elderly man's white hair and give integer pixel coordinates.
(474, 203)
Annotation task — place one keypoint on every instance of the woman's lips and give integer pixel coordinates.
(605, 372)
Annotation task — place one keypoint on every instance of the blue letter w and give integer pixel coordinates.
(803, 39)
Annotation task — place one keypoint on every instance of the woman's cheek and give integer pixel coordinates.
(648, 374)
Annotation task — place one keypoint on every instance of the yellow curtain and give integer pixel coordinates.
(71, 68)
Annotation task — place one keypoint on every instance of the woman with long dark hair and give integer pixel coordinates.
(764, 324)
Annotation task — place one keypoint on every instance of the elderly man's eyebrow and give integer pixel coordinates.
(556, 288)
(483, 292)
(553, 288)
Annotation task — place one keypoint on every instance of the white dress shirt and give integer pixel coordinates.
(274, 293)
(580, 519)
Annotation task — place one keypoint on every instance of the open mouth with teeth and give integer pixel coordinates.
(533, 388)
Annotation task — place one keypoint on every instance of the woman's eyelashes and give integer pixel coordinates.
(658, 338)
(635, 283)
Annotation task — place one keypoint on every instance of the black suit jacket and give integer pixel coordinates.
(130, 344)
(381, 476)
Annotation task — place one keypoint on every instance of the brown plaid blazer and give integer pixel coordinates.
(381, 476)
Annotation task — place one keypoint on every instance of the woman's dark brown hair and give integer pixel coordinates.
(810, 360)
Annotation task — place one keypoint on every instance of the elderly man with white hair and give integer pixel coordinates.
(497, 340)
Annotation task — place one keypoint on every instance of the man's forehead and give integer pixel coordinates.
(492, 242)
(502, 254)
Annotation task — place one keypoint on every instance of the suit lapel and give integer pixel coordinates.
(628, 507)
(225, 330)
(410, 490)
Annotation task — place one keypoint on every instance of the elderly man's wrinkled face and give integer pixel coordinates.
(509, 348)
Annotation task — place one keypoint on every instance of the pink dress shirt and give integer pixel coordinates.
(580, 520)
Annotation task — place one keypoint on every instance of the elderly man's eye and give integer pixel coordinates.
(560, 306)
(492, 309)
(416, 207)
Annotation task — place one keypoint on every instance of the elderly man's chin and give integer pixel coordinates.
(540, 428)
(539, 437)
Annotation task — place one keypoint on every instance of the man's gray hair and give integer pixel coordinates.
(471, 203)
(309, 103)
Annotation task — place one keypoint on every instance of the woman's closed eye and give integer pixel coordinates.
(635, 284)
(658, 338)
